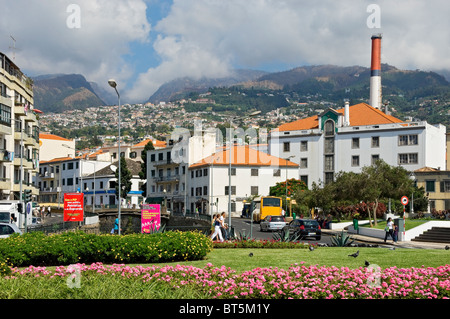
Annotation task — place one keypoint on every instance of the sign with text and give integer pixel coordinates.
(73, 207)
(150, 217)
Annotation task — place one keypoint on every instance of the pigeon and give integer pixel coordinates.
(392, 248)
(447, 247)
(250, 255)
(354, 255)
(366, 263)
(311, 248)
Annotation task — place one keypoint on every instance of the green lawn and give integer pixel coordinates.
(240, 260)
(409, 224)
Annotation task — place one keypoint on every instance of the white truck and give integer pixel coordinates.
(10, 213)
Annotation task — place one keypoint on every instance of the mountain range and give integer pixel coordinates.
(60, 92)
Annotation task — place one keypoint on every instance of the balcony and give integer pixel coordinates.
(166, 179)
(6, 156)
(5, 183)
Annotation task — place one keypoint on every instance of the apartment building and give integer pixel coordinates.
(436, 184)
(19, 132)
(253, 172)
(356, 136)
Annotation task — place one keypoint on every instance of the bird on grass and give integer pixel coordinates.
(250, 255)
(311, 248)
(354, 255)
(447, 247)
(366, 263)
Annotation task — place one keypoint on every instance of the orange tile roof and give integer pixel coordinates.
(47, 136)
(243, 156)
(156, 143)
(360, 114)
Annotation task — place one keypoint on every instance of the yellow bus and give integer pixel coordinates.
(264, 206)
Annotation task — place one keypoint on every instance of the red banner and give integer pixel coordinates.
(73, 207)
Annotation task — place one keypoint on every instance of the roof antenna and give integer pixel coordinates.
(13, 47)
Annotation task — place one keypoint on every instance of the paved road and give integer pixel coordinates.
(244, 226)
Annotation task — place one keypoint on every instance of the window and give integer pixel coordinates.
(329, 177)
(355, 160)
(69, 181)
(233, 171)
(160, 156)
(254, 190)
(133, 155)
(233, 190)
(303, 163)
(375, 158)
(329, 163)
(407, 140)
(303, 146)
(304, 178)
(445, 186)
(375, 141)
(205, 172)
(70, 165)
(410, 158)
(254, 172)
(152, 157)
(205, 190)
(329, 146)
(286, 147)
(430, 186)
(355, 142)
(329, 128)
(277, 172)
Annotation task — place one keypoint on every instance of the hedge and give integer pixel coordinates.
(39, 249)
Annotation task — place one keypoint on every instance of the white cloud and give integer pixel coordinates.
(48, 44)
(210, 37)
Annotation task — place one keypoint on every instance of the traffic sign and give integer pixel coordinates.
(404, 200)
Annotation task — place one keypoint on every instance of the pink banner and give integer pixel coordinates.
(73, 207)
(151, 218)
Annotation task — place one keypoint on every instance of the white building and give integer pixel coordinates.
(252, 173)
(19, 132)
(54, 146)
(63, 175)
(356, 136)
(167, 167)
(99, 187)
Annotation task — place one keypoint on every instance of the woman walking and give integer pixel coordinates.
(217, 229)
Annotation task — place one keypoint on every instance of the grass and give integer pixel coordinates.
(239, 260)
(95, 286)
(409, 224)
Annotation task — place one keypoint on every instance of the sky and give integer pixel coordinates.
(143, 44)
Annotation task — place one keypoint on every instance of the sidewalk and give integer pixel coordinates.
(389, 242)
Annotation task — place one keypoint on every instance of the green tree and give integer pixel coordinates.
(125, 179)
(143, 173)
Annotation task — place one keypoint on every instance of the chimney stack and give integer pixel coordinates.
(375, 72)
(347, 113)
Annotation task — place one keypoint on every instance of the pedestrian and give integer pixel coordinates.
(395, 233)
(224, 226)
(217, 230)
(43, 211)
(389, 229)
(49, 211)
(115, 229)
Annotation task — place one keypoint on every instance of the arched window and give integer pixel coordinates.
(329, 128)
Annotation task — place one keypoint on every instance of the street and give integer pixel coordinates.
(243, 226)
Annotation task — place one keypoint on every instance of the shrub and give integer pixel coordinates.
(77, 247)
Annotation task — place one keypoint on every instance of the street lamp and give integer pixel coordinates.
(412, 176)
(113, 84)
(287, 159)
(229, 159)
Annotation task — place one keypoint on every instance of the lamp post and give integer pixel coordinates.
(287, 159)
(412, 176)
(229, 159)
(113, 84)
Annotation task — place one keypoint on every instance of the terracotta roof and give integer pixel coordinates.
(57, 159)
(243, 156)
(156, 143)
(360, 114)
(52, 137)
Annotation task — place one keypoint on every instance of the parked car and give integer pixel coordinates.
(7, 229)
(272, 223)
(304, 228)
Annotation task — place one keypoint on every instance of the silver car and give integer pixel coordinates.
(7, 229)
(271, 223)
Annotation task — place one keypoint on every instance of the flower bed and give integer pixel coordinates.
(39, 249)
(298, 281)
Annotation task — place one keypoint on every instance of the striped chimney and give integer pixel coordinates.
(375, 72)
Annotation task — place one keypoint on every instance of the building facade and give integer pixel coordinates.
(356, 136)
(252, 174)
(19, 132)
